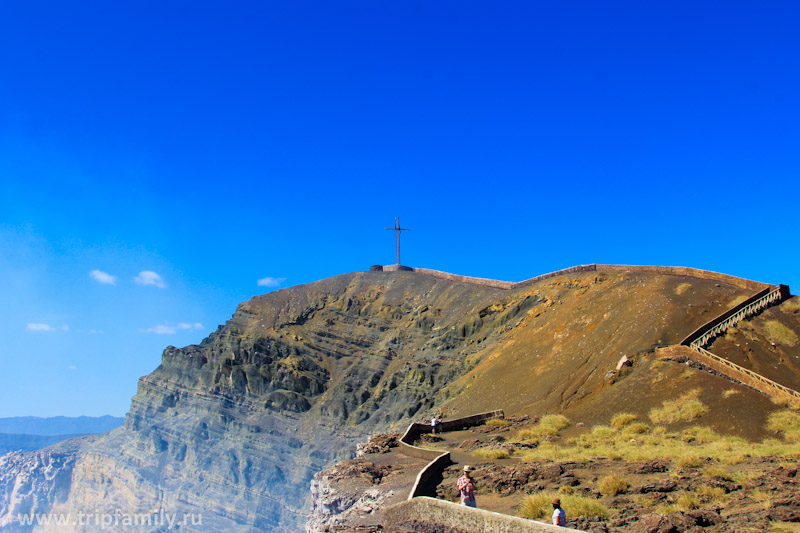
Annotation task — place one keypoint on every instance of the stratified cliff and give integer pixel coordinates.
(231, 431)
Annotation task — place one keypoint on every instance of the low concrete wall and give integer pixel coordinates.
(758, 382)
(412, 433)
(470, 421)
(415, 429)
(423, 484)
(665, 270)
(497, 284)
(687, 271)
(438, 460)
(542, 277)
(440, 512)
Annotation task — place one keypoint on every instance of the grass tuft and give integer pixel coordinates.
(786, 422)
(491, 453)
(539, 505)
(687, 407)
(784, 527)
(548, 425)
(778, 333)
(612, 485)
(622, 419)
(497, 423)
(715, 471)
(690, 460)
(791, 305)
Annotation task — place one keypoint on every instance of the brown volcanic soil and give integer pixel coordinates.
(766, 491)
(552, 348)
(557, 359)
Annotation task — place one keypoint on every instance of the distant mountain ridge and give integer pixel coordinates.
(11, 442)
(59, 425)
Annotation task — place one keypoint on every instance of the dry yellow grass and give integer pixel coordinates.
(791, 305)
(612, 485)
(491, 453)
(497, 423)
(690, 460)
(784, 527)
(778, 333)
(690, 448)
(687, 407)
(786, 422)
(683, 287)
(548, 425)
(622, 419)
(538, 505)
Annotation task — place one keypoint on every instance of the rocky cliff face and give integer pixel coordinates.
(231, 431)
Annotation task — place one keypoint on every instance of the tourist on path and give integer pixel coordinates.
(467, 487)
(559, 516)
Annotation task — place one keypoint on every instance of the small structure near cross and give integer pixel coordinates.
(397, 229)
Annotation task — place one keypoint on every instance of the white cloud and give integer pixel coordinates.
(160, 329)
(32, 326)
(72, 367)
(185, 325)
(166, 329)
(103, 277)
(148, 277)
(96, 331)
(64, 328)
(269, 281)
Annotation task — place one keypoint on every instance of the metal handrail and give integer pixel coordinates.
(750, 373)
(745, 312)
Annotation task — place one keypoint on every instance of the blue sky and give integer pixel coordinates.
(212, 145)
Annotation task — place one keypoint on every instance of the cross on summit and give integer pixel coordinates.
(397, 229)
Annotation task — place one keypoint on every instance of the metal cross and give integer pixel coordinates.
(397, 229)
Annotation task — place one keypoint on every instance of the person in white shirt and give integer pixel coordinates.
(559, 516)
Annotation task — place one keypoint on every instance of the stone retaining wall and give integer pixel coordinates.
(485, 282)
(443, 513)
(542, 277)
(687, 271)
(666, 270)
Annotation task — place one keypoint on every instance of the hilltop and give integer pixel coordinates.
(236, 427)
